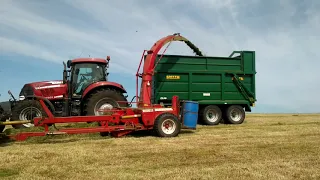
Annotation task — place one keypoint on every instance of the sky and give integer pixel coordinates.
(37, 36)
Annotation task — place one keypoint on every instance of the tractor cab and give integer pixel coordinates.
(83, 72)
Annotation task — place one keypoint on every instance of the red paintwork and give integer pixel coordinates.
(49, 89)
(90, 60)
(148, 68)
(53, 91)
(125, 120)
(102, 83)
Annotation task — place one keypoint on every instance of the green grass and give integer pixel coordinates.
(264, 147)
(7, 172)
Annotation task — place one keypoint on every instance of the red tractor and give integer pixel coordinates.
(83, 91)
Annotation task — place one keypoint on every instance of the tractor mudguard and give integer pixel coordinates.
(100, 84)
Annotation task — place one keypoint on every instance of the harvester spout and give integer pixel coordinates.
(149, 65)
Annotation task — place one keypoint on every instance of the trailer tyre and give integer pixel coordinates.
(234, 114)
(167, 125)
(211, 115)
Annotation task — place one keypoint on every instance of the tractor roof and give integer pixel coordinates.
(89, 60)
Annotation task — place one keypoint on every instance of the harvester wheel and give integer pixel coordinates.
(104, 99)
(167, 125)
(211, 115)
(26, 110)
(234, 114)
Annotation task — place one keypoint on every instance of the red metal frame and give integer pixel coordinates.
(125, 121)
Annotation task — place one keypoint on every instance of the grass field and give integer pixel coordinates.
(264, 147)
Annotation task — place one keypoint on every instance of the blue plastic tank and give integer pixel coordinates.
(190, 114)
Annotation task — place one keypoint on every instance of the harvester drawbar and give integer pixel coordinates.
(120, 121)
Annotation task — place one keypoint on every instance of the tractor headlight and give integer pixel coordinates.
(21, 98)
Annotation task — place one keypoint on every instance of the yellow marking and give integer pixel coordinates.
(172, 77)
(240, 78)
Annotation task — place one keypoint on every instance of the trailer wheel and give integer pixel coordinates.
(167, 125)
(211, 115)
(235, 114)
(26, 110)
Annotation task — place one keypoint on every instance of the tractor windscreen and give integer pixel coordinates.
(85, 74)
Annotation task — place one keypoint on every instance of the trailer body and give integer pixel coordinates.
(218, 82)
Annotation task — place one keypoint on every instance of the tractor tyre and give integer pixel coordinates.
(167, 125)
(26, 110)
(211, 115)
(2, 119)
(104, 99)
(234, 114)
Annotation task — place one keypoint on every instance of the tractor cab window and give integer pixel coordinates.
(85, 74)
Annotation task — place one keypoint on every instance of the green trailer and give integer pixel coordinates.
(224, 87)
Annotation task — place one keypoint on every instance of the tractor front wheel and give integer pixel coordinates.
(26, 110)
(2, 119)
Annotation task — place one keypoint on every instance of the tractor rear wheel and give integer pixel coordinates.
(105, 99)
(167, 125)
(26, 110)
